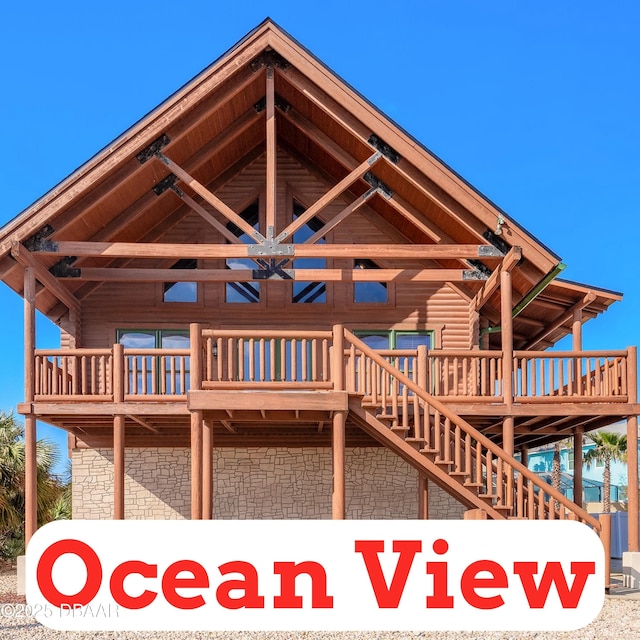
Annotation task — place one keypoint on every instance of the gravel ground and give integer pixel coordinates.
(619, 619)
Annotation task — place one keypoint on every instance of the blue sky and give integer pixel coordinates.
(535, 103)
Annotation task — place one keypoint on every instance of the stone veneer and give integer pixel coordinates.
(254, 483)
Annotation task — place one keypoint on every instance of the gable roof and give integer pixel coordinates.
(214, 126)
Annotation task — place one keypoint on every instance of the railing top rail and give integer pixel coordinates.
(619, 353)
(474, 433)
(132, 351)
(73, 352)
(265, 333)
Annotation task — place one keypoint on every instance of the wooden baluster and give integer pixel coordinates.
(478, 464)
(220, 359)
(314, 360)
(519, 497)
(467, 456)
(489, 471)
(457, 450)
(500, 481)
(531, 501)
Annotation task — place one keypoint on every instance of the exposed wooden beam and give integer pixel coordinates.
(208, 217)
(228, 426)
(271, 156)
(329, 196)
(341, 217)
(26, 259)
(565, 317)
(211, 198)
(301, 275)
(491, 285)
(143, 423)
(241, 250)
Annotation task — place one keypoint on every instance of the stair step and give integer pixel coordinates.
(386, 416)
(444, 463)
(502, 507)
(427, 450)
(477, 485)
(400, 429)
(458, 474)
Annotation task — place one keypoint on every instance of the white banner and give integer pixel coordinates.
(359, 575)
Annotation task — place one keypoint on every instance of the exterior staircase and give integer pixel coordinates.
(386, 402)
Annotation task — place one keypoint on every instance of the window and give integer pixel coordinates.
(181, 291)
(369, 292)
(244, 292)
(308, 292)
(396, 339)
(570, 460)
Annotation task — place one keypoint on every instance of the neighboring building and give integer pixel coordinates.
(541, 461)
(273, 302)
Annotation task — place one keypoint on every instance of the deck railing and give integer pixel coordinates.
(278, 359)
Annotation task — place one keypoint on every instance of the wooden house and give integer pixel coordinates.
(273, 302)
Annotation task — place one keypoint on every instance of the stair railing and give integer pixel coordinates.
(477, 461)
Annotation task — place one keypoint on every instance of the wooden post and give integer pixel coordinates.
(118, 433)
(30, 428)
(576, 330)
(271, 155)
(423, 497)
(506, 302)
(118, 467)
(632, 452)
(524, 456)
(195, 335)
(207, 470)
(605, 538)
(475, 514)
(338, 501)
(577, 465)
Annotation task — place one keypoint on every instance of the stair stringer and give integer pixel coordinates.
(368, 422)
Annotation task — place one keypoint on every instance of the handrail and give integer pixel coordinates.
(471, 431)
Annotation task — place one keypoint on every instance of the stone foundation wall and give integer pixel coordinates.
(254, 483)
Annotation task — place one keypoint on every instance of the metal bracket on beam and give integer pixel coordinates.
(63, 268)
(490, 252)
(376, 183)
(166, 183)
(474, 274)
(38, 239)
(269, 58)
(270, 248)
(278, 102)
(481, 267)
(272, 271)
(496, 241)
(150, 151)
(386, 150)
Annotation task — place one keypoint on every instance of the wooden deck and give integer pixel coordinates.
(290, 377)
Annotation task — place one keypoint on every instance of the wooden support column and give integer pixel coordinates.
(632, 452)
(30, 435)
(524, 456)
(118, 433)
(118, 467)
(338, 501)
(577, 465)
(207, 470)
(195, 335)
(506, 302)
(423, 497)
(271, 156)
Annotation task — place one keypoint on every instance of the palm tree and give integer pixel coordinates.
(609, 447)
(12, 467)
